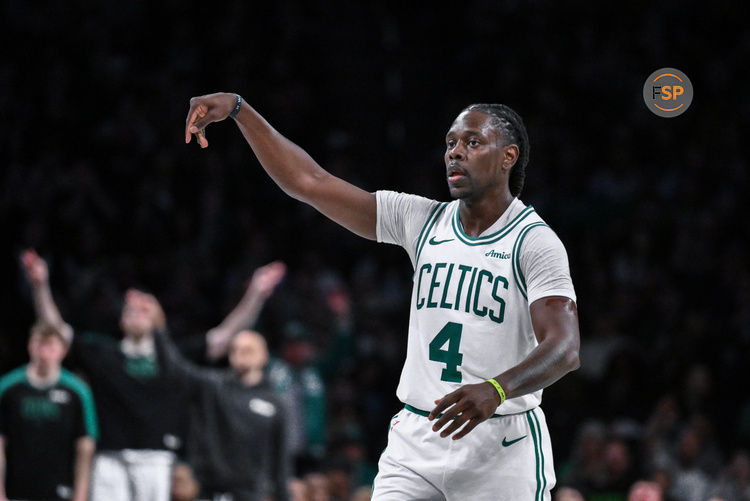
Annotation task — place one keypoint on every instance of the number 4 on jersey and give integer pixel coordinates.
(451, 357)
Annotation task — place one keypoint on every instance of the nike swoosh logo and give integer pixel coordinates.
(507, 442)
(438, 242)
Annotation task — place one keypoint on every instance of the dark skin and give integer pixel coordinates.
(478, 162)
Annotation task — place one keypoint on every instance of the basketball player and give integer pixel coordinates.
(493, 313)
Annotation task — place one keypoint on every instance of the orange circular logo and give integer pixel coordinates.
(668, 92)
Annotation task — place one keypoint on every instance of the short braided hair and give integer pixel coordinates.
(511, 128)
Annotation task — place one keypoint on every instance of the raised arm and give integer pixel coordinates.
(243, 316)
(44, 305)
(555, 322)
(288, 165)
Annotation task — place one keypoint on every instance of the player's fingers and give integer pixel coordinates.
(192, 116)
(456, 424)
(466, 429)
(204, 118)
(449, 414)
(201, 135)
(198, 119)
(443, 404)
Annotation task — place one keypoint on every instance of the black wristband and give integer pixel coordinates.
(237, 106)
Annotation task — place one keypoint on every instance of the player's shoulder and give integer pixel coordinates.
(74, 383)
(15, 377)
(407, 200)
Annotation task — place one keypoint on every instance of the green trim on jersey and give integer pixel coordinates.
(517, 274)
(489, 239)
(68, 380)
(431, 220)
(426, 414)
(80, 388)
(536, 434)
(17, 375)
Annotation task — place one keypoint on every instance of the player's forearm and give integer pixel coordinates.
(44, 305)
(548, 362)
(243, 316)
(289, 166)
(85, 447)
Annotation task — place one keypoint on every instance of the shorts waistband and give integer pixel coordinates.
(426, 414)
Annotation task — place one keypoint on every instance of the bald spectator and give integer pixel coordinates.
(236, 443)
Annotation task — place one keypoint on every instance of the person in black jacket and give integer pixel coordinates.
(237, 440)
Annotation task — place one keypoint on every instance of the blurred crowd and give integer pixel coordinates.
(97, 179)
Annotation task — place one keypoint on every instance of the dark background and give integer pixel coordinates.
(97, 178)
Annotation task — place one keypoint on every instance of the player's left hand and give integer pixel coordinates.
(469, 405)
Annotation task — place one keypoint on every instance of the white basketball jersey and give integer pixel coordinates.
(469, 318)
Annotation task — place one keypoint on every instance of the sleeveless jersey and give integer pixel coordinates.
(469, 314)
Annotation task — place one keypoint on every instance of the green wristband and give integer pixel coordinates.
(499, 389)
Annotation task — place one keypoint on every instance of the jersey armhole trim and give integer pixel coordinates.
(517, 274)
(431, 219)
(87, 401)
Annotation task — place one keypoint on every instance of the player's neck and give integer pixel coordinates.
(40, 377)
(478, 215)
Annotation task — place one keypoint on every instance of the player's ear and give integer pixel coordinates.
(510, 156)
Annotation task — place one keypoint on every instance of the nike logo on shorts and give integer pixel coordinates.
(507, 443)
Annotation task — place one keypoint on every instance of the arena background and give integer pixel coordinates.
(97, 178)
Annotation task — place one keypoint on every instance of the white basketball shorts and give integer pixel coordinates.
(506, 458)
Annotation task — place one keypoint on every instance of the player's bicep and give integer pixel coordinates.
(555, 322)
(353, 208)
(555, 317)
